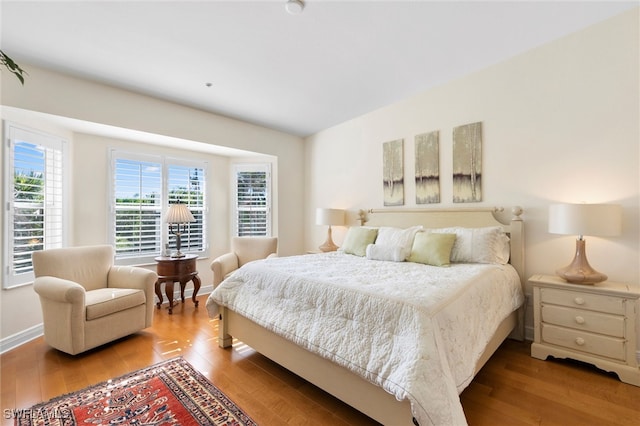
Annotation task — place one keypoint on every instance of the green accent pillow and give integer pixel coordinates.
(357, 240)
(432, 249)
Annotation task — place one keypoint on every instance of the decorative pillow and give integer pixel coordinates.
(397, 237)
(479, 245)
(357, 240)
(382, 252)
(432, 248)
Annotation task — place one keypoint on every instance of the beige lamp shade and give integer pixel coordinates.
(179, 213)
(330, 217)
(598, 220)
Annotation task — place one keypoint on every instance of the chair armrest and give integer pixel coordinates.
(59, 290)
(222, 265)
(131, 277)
(139, 278)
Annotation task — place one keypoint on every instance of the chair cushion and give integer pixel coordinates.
(105, 301)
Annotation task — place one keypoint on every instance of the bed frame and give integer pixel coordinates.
(342, 383)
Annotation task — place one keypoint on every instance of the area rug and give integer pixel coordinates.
(169, 393)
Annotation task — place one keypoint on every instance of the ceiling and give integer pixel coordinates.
(300, 74)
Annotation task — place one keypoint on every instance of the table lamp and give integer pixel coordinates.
(178, 214)
(330, 217)
(598, 220)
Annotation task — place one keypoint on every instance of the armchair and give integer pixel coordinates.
(88, 301)
(243, 250)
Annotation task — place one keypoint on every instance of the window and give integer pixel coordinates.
(143, 188)
(34, 199)
(186, 186)
(138, 207)
(252, 200)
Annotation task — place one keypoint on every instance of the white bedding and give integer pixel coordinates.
(415, 330)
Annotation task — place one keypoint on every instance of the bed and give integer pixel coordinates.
(396, 340)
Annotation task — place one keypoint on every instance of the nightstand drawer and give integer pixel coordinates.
(590, 301)
(595, 322)
(608, 347)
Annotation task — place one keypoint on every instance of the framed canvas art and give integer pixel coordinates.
(467, 163)
(427, 168)
(393, 172)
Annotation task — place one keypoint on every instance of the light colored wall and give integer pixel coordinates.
(561, 124)
(90, 185)
(60, 95)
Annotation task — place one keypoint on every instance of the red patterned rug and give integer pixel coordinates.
(169, 393)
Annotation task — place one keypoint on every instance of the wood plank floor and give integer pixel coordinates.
(512, 388)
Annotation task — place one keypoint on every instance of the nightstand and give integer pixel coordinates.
(176, 269)
(590, 323)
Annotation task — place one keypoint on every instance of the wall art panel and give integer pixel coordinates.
(393, 172)
(467, 163)
(427, 168)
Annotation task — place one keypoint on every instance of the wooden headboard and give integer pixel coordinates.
(447, 217)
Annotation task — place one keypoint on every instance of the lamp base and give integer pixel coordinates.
(328, 245)
(178, 253)
(579, 271)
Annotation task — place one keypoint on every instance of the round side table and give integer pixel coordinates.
(176, 269)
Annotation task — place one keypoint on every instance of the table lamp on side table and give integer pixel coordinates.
(178, 214)
(330, 217)
(598, 220)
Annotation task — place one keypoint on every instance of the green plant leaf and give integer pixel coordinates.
(13, 68)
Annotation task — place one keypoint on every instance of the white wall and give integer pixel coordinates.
(560, 124)
(59, 95)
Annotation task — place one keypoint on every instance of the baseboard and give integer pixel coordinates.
(21, 338)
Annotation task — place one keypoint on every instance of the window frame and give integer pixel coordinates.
(166, 241)
(139, 158)
(252, 167)
(55, 234)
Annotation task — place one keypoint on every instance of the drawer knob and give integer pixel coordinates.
(579, 301)
(579, 341)
(579, 320)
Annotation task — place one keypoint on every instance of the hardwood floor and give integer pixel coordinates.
(512, 388)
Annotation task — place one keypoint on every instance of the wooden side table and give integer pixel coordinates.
(176, 269)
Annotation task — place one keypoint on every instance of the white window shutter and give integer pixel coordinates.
(253, 200)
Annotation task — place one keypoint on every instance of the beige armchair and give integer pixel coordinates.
(87, 300)
(243, 250)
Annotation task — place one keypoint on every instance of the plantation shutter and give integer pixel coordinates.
(186, 185)
(138, 207)
(253, 200)
(34, 201)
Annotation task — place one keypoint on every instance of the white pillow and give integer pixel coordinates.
(388, 253)
(479, 245)
(397, 237)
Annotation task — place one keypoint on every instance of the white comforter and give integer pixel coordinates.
(415, 330)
